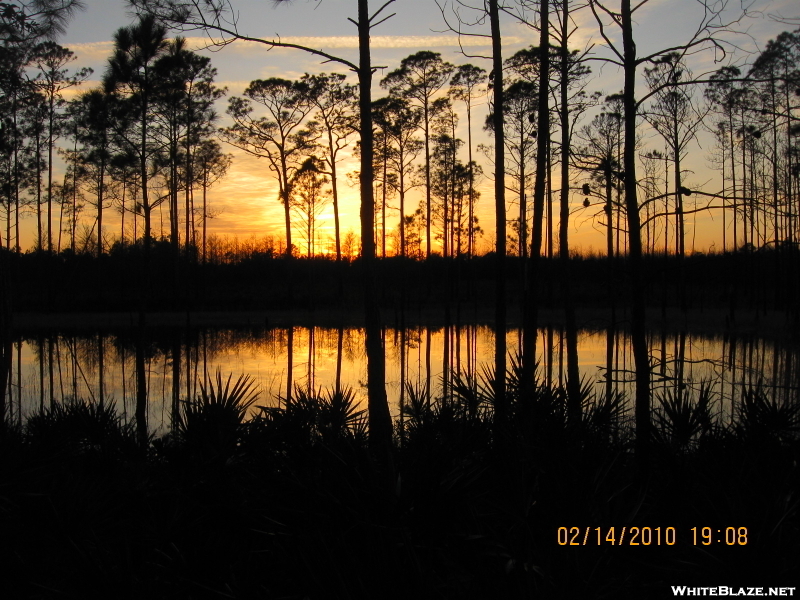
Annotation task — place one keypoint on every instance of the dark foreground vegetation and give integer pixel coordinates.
(291, 502)
(765, 279)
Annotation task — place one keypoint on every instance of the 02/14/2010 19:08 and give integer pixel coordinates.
(648, 536)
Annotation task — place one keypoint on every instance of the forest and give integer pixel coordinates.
(472, 450)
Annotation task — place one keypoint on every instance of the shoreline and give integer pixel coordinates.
(713, 322)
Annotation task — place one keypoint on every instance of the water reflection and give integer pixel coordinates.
(50, 368)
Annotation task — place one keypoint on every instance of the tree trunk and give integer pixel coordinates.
(531, 308)
(470, 236)
(380, 423)
(335, 190)
(638, 335)
(570, 325)
(427, 180)
(50, 179)
(500, 216)
(286, 212)
(100, 198)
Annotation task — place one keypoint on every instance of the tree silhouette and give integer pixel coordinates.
(185, 117)
(401, 121)
(51, 60)
(309, 198)
(334, 102)
(29, 21)
(92, 116)
(18, 96)
(465, 86)
(520, 139)
(278, 136)
(210, 165)
(420, 77)
(21, 24)
(676, 119)
(385, 181)
(131, 77)
(778, 78)
(601, 157)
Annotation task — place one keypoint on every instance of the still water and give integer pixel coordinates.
(97, 366)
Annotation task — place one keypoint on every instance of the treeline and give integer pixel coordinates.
(145, 144)
(253, 274)
(142, 144)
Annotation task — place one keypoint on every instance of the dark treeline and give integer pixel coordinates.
(248, 276)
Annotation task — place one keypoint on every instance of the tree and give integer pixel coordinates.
(400, 120)
(530, 310)
(491, 10)
(520, 139)
(28, 21)
(465, 86)
(309, 199)
(131, 78)
(17, 96)
(384, 183)
(32, 128)
(676, 119)
(185, 118)
(572, 102)
(778, 75)
(601, 157)
(420, 77)
(124, 174)
(210, 166)
(278, 136)
(72, 199)
(445, 165)
(92, 116)
(53, 79)
(24, 23)
(333, 100)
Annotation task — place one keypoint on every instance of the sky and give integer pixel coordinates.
(246, 201)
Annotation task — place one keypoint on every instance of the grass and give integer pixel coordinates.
(289, 502)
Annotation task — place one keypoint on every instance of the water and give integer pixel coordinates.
(53, 367)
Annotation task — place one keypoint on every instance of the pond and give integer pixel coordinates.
(49, 367)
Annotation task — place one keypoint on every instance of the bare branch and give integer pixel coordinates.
(377, 12)
(192, 16)
(603, 34)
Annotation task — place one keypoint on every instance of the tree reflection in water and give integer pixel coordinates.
(52, 367)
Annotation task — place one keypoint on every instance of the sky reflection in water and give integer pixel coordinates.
(317, 354)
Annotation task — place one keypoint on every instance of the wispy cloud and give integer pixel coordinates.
(93, 51)
(98, 52)
(351, 41)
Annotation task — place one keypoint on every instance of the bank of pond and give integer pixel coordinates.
(766, 280)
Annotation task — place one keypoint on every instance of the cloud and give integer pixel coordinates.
(351, 42)
(92, 51)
